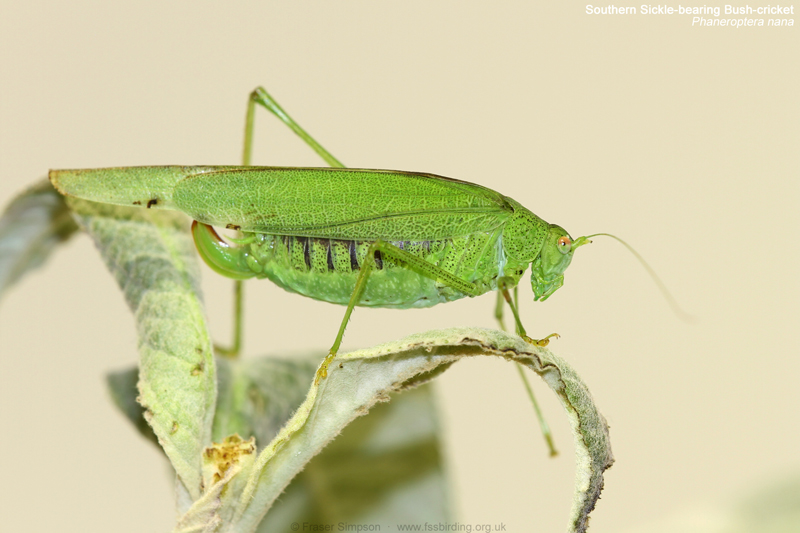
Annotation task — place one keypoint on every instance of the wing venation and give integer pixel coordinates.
(341, 203)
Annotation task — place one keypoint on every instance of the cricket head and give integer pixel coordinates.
(547, 270)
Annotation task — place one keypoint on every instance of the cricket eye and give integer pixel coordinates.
(564, 244)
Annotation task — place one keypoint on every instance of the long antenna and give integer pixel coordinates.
(683, 315)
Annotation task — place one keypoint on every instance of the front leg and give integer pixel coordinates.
(503, 284)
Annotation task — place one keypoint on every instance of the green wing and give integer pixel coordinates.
(340, 203)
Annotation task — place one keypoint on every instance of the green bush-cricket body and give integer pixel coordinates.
(309, 229)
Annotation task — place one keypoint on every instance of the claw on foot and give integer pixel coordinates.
(541, 342)
(322, 372)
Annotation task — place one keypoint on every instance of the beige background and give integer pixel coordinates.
(681, 140)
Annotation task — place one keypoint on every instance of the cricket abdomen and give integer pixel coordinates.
(327, 269)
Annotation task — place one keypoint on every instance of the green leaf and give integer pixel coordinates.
(33, 224)
(122, 387)
(382, 469)
(358, 380)
(379, 468)
(375, 471)
(152, 257)
(257, 396)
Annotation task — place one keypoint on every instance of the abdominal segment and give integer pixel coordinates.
(327, 269)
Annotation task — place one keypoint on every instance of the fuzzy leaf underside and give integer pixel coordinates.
(381, 469)
(122, 388)
(151, 255)
(385, 468)
(31, 227)
(257, 396)
(358, 380)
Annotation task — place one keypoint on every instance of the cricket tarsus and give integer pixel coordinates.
(502, 286)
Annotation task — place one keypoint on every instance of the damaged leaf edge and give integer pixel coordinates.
(445, 347)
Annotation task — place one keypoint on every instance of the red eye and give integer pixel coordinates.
(564, 244)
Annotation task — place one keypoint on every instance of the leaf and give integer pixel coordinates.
(358, 380)
(221, 463)
(257, 396)
(122, 387)
(33, 224)
(152, 257)
(382, 469)
(375, 471)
